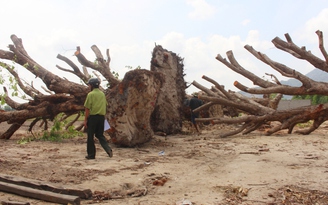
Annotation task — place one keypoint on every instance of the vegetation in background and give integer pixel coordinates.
(56, 134)
(315, 99)
(305, 124)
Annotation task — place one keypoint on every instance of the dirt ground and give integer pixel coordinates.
(181, 169)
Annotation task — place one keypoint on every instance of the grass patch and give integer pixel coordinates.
(57, 132)
(306, 124)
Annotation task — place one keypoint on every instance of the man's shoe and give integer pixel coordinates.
(87, 157)
(110, 153)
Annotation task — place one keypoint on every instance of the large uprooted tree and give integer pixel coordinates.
(142, 96)
(260, 111)
(147, 101)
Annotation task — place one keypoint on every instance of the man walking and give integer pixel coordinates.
(95, 110)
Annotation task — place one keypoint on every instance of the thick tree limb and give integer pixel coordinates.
(12, 129)
(239, 69)
(101, 66)
(283, 69)
(259, 112)
(291, 48)
(286, 118)
(53, 82)
(218, 86)
(234, 100)
(309, 86)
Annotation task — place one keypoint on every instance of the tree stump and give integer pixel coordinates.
(168, 113)
(130, 105)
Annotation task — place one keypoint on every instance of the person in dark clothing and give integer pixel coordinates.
(194, 103)
(95, 110)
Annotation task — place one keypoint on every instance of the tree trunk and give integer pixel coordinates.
(130, 105)
(168, 114)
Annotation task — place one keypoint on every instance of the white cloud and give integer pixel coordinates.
(201, 9)
(307, 35)
(254, 39)
(245, 22)
(317, 23)
(199, 58)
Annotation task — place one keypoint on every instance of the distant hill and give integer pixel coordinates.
(315, 74)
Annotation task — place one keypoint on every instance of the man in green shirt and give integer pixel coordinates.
(95, 110)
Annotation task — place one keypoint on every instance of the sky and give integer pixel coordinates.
(196, 30)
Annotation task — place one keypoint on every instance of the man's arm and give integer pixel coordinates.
(86, 115)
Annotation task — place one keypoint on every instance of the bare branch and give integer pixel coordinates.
(53, 82)
(9, 101)
(97, 66)
(301, 53)
(321, 45)
(218, 86)
(76, 71)
(48, 91)
(28, 91)
(108, 58)
(283, 69)
(274, 77)
(239, 69)
(86, 73)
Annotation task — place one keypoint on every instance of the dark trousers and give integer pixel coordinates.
(96, 128)
(194, 116)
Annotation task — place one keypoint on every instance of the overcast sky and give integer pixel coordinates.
(196, 30)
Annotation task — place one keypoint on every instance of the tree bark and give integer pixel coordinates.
(168, 113)
(130, 105)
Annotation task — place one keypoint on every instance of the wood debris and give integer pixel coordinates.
(42, 191)
(297, 195)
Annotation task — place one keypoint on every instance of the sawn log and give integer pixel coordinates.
(14, 203)
(36, 184)
(39, 194)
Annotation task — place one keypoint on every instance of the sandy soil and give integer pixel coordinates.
(199, 169)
